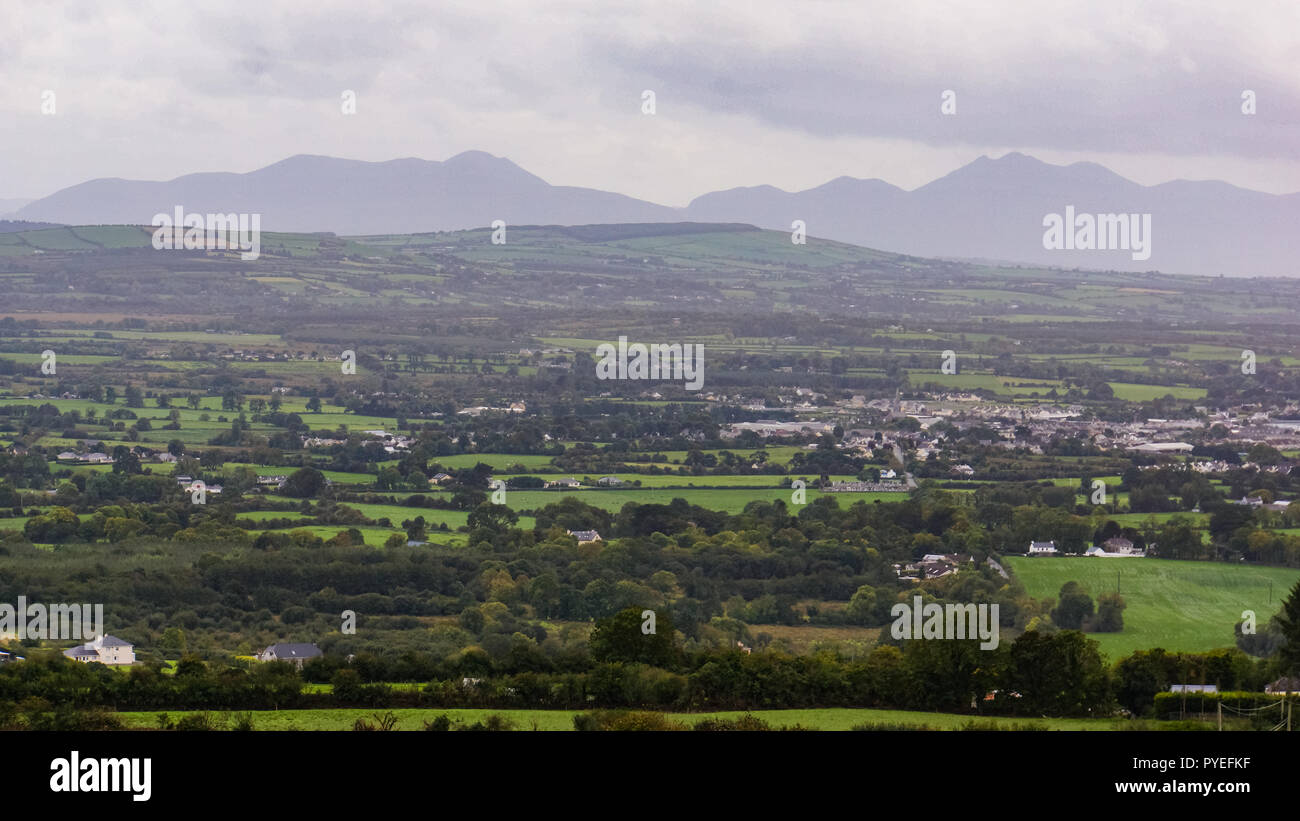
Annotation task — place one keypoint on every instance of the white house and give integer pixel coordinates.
(1098, 551)
(1042, 548)
(1115, 547)
(105, 650)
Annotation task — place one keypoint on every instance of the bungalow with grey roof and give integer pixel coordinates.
(296, 654)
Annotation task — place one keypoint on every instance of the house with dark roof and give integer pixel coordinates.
(296, 654)
(585, 536)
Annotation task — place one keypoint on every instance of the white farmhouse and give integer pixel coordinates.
(105, 650)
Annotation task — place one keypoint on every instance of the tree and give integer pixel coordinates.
(1110, 613)
(620, 638)
(173, 638)
(1262, 643)
(1075, 607)
(304, 483)
(862, 606)
(57, 525)
(389, 478)
(1289, 621)
(1178, 538)
(1058, 674)
(125, 461)
(1263, 453)
(950, 675)
(1101, 391)
(1223, 522)
(415, 528)
(313, 404)
(493, 517)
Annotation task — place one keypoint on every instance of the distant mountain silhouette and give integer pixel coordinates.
(990, 209)
(311, 193)
(994, 209)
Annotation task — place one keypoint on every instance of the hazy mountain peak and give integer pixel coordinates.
(991, 208)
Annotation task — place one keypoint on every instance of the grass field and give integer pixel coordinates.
(1177, 605)
(818, 719)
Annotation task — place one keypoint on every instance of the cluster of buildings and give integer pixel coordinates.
(115, 652)
(883, 486)
(932, 566)
(1114, 547)
(772, 427)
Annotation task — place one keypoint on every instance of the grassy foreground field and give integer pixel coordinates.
(1177, 605)
(816, 719)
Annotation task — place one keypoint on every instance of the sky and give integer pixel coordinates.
(745, 93)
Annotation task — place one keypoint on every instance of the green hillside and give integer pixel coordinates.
(1176, 605)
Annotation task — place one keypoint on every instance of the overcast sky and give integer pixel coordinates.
(752, 92)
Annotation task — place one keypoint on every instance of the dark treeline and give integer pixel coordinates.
(1060, 674)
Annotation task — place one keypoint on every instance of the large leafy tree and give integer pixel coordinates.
(493, 517)
(1074, 609)
(620, 638)
(951, 674)
(304, 483)
(1058, 674)
(1289, 621)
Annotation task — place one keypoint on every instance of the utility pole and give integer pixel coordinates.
(1220, 716)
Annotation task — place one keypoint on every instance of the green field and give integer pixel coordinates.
(1177, 605)
(818, 719)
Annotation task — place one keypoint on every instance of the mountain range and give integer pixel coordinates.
(990, 209)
